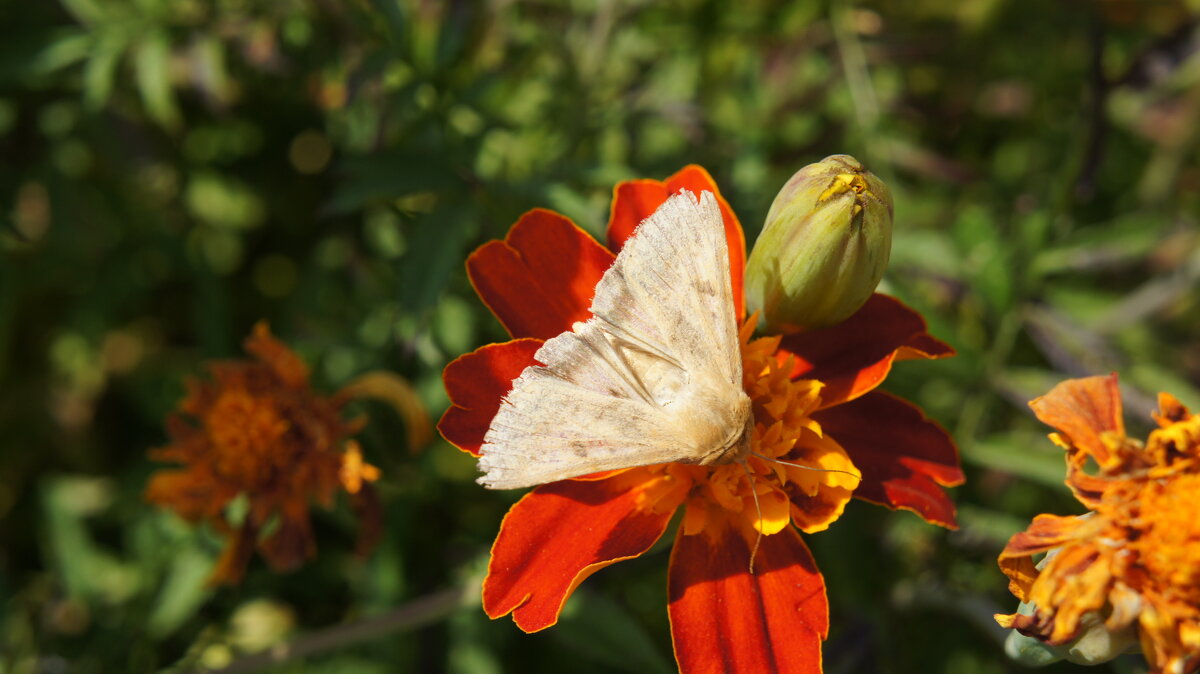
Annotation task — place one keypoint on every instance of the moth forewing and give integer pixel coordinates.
(654, 377)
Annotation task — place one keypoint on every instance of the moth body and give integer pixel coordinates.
(655, 376)
(719, 424)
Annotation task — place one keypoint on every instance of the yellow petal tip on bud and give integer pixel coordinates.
(823, 249)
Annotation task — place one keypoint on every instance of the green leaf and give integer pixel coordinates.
(437, 248)
(1025, 455)
(66, 501)
(389, 175)
(1155, 378)
(87, 12)
(152, 64)
(183, 593)
(32, 57)
(604, 631)
(1121, 242)
(100, 71)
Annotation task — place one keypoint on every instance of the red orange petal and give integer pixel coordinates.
(1082, 410)
(231, 566)
(904, 457)
(476, 383)
(1044, 533)
(368, 510)
(635, 200)
(725, 619)
(292, 543)
(193, 494)
(558, 535)
(854, 356)
(288, 366)
(540, 279)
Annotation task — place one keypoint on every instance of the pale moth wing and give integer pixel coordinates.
(654, 377)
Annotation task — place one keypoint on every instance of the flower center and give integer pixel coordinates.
(245, 431)
(1177, 439)
(794, 473)
(1169, 548)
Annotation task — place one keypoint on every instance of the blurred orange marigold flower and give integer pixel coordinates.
(257, 429)
(1134, 559)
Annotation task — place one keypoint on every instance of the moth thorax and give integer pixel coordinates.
(723, 434)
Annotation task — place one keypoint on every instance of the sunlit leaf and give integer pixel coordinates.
(100, 71)
(152, 68)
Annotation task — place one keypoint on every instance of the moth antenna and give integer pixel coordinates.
(757, 509)
(796, 465)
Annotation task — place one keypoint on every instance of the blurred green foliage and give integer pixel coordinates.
(174, 170)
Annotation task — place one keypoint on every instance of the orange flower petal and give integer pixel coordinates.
(558, 535)
(853, 357)
(635, 200)
(540, 279)
(815, 512)
(293, 542)
(1044, 533)
(724, 619)
(288, 366)
(193, 494)
(231, 567)
(1082, 410)
(368, 510)
(476, 383)
(903, 456)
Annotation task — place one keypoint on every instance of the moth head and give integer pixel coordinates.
(721, 430)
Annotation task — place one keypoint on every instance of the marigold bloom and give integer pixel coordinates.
(257, 429)
(1135, 557)
(813, 403)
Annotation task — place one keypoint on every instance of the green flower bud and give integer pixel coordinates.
(1095, 644)
(823, 249)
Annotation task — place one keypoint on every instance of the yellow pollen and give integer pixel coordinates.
(842, 183)
(1169, 547)
(762, 493)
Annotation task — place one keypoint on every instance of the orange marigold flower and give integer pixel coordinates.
(814, 405)
(1134, 559)
(257, 429)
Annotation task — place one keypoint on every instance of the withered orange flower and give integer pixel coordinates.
(1134, 558)
(257, 430)
(814, 404)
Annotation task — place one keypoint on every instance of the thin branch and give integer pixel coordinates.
(416, 613)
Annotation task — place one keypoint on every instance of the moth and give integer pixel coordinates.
(655, 376)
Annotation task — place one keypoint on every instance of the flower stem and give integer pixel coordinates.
(416, 613)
